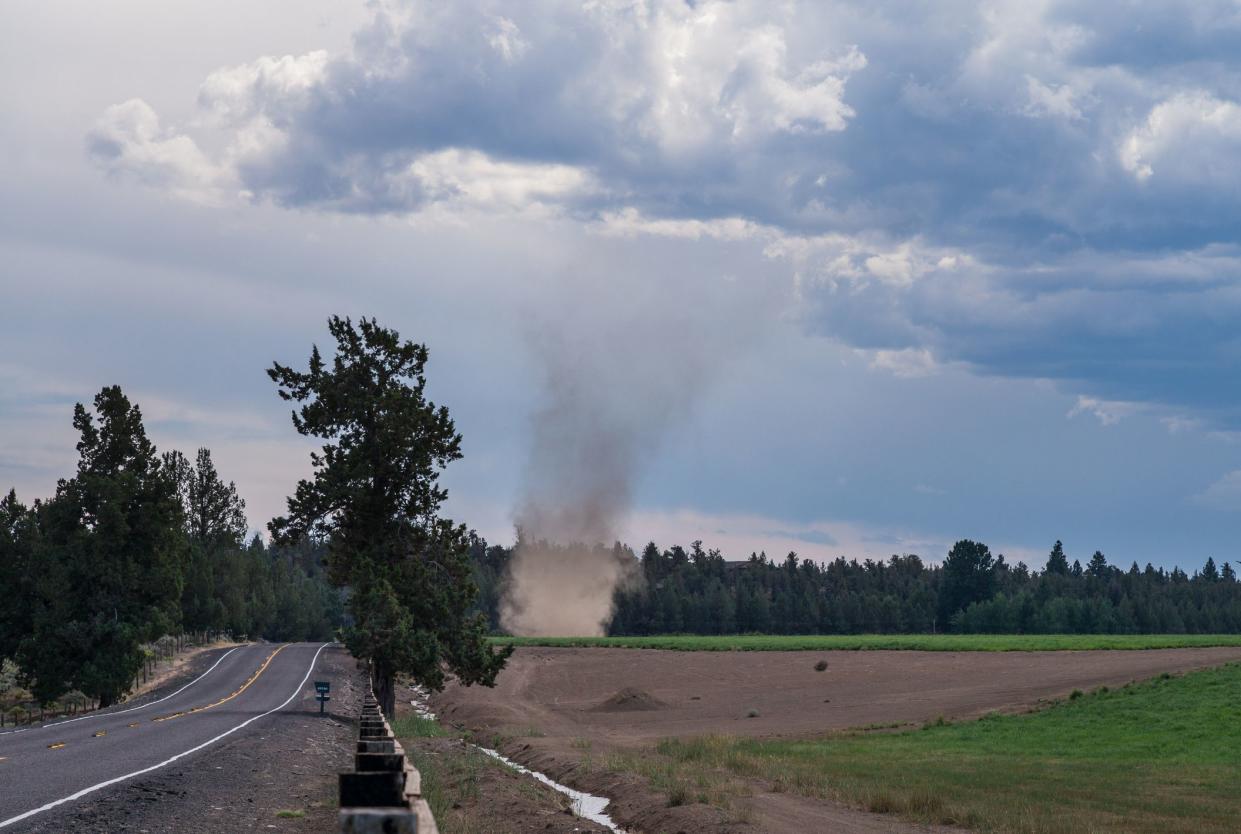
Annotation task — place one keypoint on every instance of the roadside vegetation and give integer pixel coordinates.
(472, 793)
(375, 499)
(133, 547)
(896, 642)
(1158, 756)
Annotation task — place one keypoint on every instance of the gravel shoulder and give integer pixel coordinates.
(287, 762)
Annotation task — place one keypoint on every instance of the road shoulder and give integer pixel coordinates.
(280, 777)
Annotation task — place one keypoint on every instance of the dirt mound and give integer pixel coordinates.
(630, 699)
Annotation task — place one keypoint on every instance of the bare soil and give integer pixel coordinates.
(554, 710)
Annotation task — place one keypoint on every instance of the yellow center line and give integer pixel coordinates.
(101, 733)
(243, 688)
(56, 746)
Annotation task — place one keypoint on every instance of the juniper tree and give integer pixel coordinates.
(375, 498)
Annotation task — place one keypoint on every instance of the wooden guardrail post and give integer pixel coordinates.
(383, 794)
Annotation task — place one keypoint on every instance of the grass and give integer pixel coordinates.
(1159, 756)
(453, 774)
(919, 642)
(290, 815)
(415, 726)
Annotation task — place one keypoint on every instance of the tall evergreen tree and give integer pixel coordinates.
(1057, 562)
(969, 576)
(1097, 566)
(17, 543)
(1209, 572)
(109, 566)
(375, 498)
(215, 515)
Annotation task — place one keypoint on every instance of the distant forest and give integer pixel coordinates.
(696, 591)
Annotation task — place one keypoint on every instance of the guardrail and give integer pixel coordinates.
(383, 794)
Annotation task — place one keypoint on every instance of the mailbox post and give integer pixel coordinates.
(322, 688)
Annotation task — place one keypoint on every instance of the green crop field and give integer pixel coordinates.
(1160, 756)
(918, 642)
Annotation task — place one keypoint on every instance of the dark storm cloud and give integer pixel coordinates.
(1040, 190)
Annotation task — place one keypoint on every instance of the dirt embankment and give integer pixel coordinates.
(471, 793)
(564, 711)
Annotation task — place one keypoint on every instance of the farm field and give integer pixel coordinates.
(895, 642)
(781, 733)
(1158, 756)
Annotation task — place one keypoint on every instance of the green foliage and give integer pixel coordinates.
(18, 539)
(698, 592)
(969, 576)
(1057, 562)
(109, 562)
(278, 593)
(410, 725)
(134, 547)
(375, 499)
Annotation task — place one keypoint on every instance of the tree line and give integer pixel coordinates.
(136, 545)
(696, 591)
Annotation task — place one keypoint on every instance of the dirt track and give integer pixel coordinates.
(552, 699)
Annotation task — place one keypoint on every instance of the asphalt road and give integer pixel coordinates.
(46, 767)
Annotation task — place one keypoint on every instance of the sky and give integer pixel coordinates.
(844, 278)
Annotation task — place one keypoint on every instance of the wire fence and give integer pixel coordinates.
(19, 708)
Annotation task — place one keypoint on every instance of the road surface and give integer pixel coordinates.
(47, 767)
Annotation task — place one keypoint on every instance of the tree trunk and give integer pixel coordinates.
(384, 684)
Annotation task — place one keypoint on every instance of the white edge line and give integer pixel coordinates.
(131, 709)
(166, 762)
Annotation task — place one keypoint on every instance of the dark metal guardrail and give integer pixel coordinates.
(383, 794)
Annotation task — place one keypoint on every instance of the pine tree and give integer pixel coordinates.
(17, 543)
(969, 576)
(375, 498)
(1209, 572)
(109, 568)
(1098, 565)
(1057, 562)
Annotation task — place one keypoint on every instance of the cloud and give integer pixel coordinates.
(129, 141)
(1224, 494)
(1193, 138)
(1107, 413)
(909, 363)
(633, 95)
(739, 535)
(1028, 189)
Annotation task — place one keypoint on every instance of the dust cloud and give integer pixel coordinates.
(622, 364)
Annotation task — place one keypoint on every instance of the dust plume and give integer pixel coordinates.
(622, 364)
